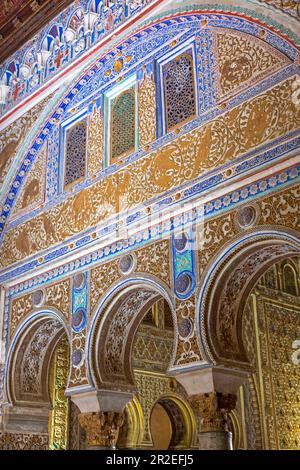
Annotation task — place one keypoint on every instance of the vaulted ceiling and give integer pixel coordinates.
(21, 19)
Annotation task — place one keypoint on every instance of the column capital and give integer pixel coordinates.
(212, 409)
(102, 428)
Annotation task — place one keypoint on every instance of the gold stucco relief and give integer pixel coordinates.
(267, 116)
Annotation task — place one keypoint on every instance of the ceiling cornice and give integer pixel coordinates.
(26, 19)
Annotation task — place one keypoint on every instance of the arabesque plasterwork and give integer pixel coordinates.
(280, 209)
(23, 441)
(151, 260)
(78, 375)
(121, 286)
(29, 374)
(274, 210)
(222, 140)
(32, 194)
(242, 59)
(212, 409)
(113, 360)
(56, 295)
(13, 136)
(270, 327)
(147, 110)
(150, 388)
(95, 142)
(187, 348)
(290, 7)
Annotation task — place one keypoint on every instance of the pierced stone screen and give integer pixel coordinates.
(75, 153)
(123, 124)
(179, 90)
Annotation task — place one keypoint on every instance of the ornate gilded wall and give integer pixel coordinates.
(96, 232)
(271, 325)
(222, 140)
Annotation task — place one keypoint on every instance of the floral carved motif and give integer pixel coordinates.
(278, 318)
(214, 234)
(149, 389)
(281, 208)
(187, 348)
(152, 351)
(212, 409)
(242, 59)
(153, 260)
(147, 110)
(33, 358)
(19, 309)
(257, 121)
(23, 441)
(56, 295)
(95, 139)
(101, 428)
(13, 136)
(60, 412)
(33, 192)
(120, 332)
(290, 7)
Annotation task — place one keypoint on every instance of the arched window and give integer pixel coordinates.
(290, 280)
(123, 124)
(75, 155)
(179, 90)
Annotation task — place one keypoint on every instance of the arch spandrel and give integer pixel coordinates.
(271, 325)
(17, 136)
(54, 297)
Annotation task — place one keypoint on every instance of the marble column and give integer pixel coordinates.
(211, 410)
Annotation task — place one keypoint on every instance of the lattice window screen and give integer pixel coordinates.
(179, 90)
(75, 157)
(123, 124)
